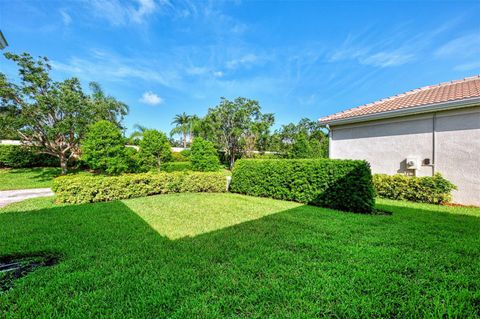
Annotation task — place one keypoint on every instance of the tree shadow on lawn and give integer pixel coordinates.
(39, 174)
(305, 261)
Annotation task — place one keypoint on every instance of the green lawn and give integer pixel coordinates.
(23, 178)
(227, 255)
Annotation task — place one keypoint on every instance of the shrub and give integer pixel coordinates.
(428, 189)
(179, 157)
(177, 167)
(339, 184)
(103, 149)
(204, 156)
(88, 189)
(155, 149)
(17, 156)
(186, 153)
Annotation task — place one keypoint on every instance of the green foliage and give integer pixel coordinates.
(103, 149)
(232, 125)
(339, 184)
(87, 189)
(307, 139)
(186, 153)
(301, 147)
(179, 157)
(177, 167)
(204, 156)
(51, 115)
(427, 189)
(18, 156)
(154, 149)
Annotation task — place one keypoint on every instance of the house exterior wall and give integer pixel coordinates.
(449, 139)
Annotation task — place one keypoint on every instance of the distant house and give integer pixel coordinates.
(427, 130)
(3, 41)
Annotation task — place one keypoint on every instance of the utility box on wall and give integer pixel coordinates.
(412, 163)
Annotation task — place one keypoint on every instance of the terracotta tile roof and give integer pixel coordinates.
(443, 92)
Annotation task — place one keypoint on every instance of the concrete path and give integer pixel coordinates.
(8, 197)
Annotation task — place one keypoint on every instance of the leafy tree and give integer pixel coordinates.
(154, 149)
(284, 139)
(301, 147)
(204, 156)
(182, 124)
(231, 122)
(103, 149)
(51, 117)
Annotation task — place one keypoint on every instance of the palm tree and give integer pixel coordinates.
(182, 126)
(137, 135)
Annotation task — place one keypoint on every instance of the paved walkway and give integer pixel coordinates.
(8, 197)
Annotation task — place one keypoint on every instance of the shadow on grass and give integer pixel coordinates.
(40, 174)
(304, 261)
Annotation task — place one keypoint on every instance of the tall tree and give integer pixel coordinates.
(232, 121)
(51, 117)
(182, 126)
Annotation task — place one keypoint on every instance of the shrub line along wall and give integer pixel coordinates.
(427, 189)
(88, 189)
(338, 184)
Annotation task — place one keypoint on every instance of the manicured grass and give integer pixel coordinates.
(23, 178)
(227, 255)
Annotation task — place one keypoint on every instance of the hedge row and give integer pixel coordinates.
(338, 184)
(88, 189)
(428, 189)
(16, 156)
(176, 167)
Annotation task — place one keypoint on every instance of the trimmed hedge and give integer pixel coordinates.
(88, 189)
(17, 156)
(427, 189)
(338, 184)
(170, 167)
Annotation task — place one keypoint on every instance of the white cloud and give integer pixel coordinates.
(118, 13)
(151, 98)
(468, 66)
(464, 46)
(196, 70)
(105, 66)
(387, 59)
(66, 18)
(218, 74)
(244, 60)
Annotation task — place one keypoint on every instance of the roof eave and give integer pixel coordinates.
(428, 108)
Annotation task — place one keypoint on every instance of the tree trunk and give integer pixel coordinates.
(63, 164)
(232, 160)
(184, 139)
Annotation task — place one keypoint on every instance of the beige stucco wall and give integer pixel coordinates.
(451, 139)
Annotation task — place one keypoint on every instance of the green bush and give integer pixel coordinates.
(17, 156)
(88, 189)
(179, 157)
(176, 167)
(155, 149)
(103, 149)
(428, 189)
(204, 156)
(339, 184)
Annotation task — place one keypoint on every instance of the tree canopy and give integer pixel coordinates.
(231, 123)
(50, 116)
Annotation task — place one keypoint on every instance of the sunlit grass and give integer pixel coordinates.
(227, 255)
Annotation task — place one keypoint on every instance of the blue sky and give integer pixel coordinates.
(297, 58)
